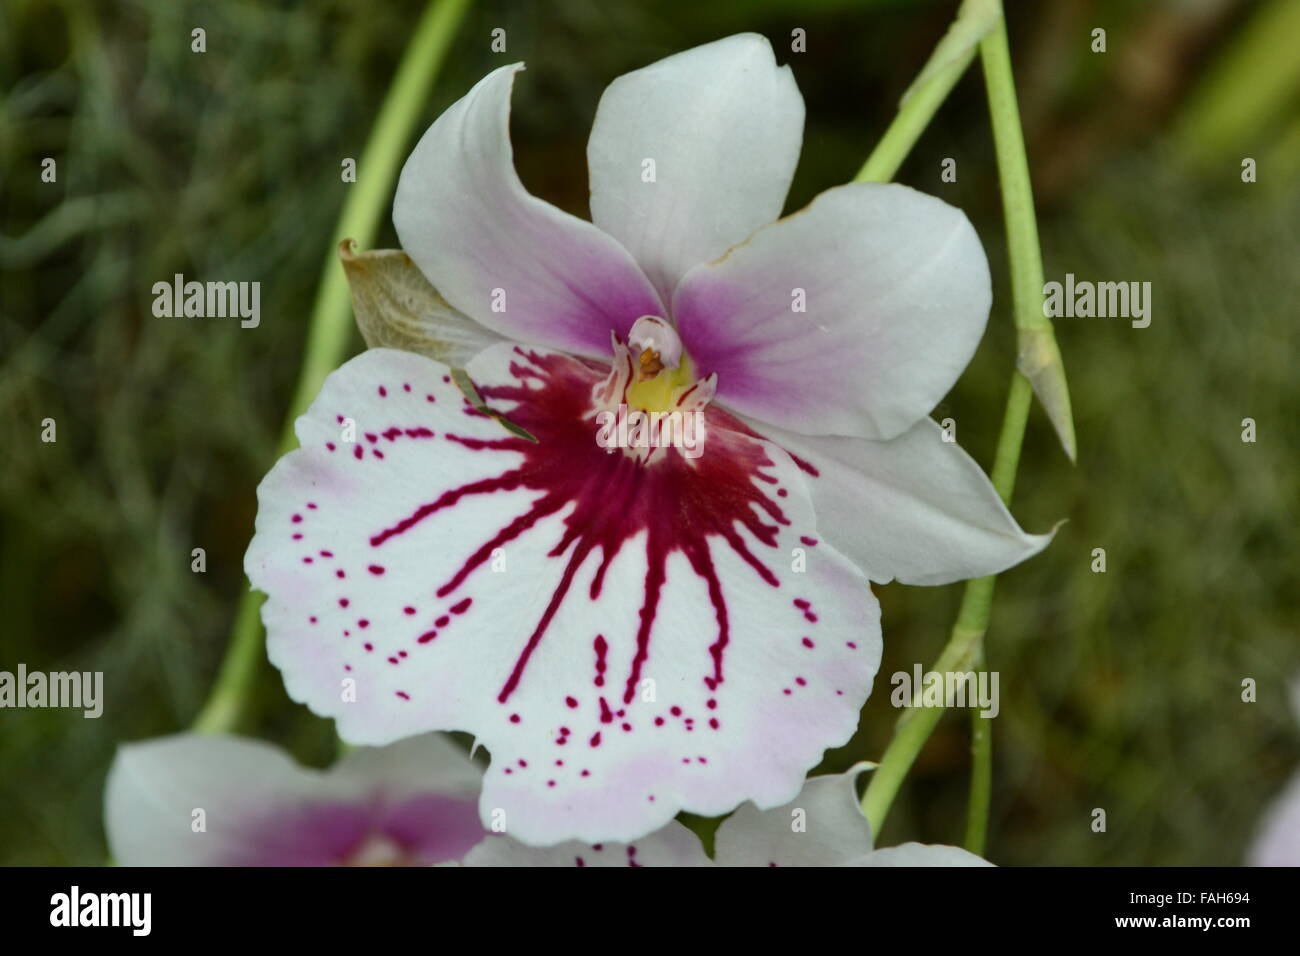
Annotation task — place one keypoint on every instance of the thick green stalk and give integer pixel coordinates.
(330, 329)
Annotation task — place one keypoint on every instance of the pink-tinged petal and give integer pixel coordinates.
(627, 640)
(822, 826)
(423, 830)
(515, 264)
(722, 124)
(915, 508)
(155, 787)
(422, 799)
(895, 292)
(920, 854)
(191, 800)
(673, 845)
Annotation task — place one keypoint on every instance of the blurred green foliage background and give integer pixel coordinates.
(1119, 690)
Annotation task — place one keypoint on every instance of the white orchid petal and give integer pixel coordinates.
(673, 845)
(722, 125)
(155, 787)
(512, 262)
(921, 854)
(822, 826)
(852, 317)
(916, 508)
(196, 800)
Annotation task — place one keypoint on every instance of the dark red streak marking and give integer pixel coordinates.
(681, 505)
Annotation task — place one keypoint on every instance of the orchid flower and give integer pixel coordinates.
(633, 631)
(193, 800)
(822, 826)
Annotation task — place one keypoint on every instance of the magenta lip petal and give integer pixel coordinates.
(622, 570)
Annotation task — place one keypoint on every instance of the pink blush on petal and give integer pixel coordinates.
(419, 831)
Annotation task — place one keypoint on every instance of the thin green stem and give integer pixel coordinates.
(965, 644)
(912, 119)
(1023, 253)
(330, 329)
(952, 55)
(981, 775)
(225, 704)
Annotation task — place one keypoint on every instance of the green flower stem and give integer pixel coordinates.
(951, 56)
(981, 774)
(961, 651)
(330, 329)
(965, 644)
(225, 703)
(1038, 356)
(913, 117)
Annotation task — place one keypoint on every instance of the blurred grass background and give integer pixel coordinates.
(1119, 690)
